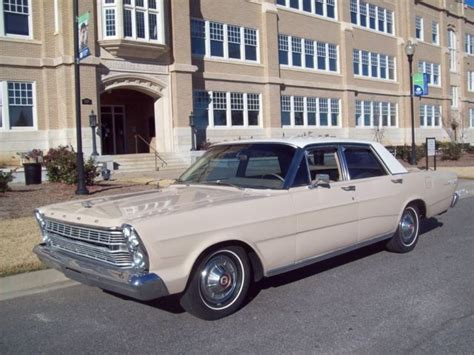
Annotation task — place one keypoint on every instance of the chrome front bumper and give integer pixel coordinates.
(142, 286)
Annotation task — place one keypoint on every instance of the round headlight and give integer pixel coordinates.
(127, 232)
(138, 259)
(133, 242)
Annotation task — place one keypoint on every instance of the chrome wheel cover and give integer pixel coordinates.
(221, 280)
(408, 227)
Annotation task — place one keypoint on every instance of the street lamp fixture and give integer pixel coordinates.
(193, 131)
(410, 48)
(93, 125)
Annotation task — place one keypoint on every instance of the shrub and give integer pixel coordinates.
(5, 178)
(404, 152)
(61, 166)
(451, 151)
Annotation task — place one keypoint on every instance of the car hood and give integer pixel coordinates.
(115, 210)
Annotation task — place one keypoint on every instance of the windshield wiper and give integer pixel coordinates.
(221, 182)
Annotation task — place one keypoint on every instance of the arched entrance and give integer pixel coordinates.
(128, 106)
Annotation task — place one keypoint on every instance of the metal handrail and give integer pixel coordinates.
(157, 156)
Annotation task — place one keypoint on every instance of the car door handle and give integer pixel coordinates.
(349, 188)
(397, 181)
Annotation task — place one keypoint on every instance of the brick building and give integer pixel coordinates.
(245, 68)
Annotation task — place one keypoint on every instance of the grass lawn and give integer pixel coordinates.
(18, 236)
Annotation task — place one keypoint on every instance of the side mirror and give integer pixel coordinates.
(321, 180)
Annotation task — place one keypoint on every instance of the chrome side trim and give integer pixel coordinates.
(329, 255)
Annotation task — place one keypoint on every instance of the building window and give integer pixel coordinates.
(471, 117)
(432, 70)
(454, 97)
(371, 16)
(300, 111)
(142, 20)
(301, 54)
(213, 39)
(18, 109)
(434, 32)
(226, 109)
(419, 28)
(470, 81)
(430, 116)
(16, 18)
(375, 114)
(324, 8)
(452, 50)
(198, 37)
(469, 43)
(374, 65)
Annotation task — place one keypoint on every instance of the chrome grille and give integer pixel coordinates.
(85, 234)
(101, 245)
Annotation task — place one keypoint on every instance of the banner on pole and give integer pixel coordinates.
(420, 84)
(83, 28)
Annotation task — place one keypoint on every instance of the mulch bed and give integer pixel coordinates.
(22, 200)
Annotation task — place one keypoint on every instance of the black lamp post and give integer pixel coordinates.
(93, 125)
(81, 180)
(193, 131)
(410, 51)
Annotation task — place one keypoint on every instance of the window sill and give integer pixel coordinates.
(311, 127)
(309, 70)
(133, 49)
(389, 81)
(227, 60)
(20, 40)
(391, 35)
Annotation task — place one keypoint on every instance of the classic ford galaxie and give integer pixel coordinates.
(244, 211)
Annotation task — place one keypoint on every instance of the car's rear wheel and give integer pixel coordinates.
(219, 284)
(406, 236)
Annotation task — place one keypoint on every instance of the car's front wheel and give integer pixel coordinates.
(406, 236)
(219, 284)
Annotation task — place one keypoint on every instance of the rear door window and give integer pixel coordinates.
(362, 163)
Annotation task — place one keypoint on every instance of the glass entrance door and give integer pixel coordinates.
(113, 129)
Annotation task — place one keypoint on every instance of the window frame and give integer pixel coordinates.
(363, 15)
(244, 42)
(300, 9)
(6, 127)
(333, 103)
(248, 102)
(419, 28)
(3, 33)
(285, 44)
(435, 33)
(423, 119)
(433, 70)
(375, 107)
(386, 64)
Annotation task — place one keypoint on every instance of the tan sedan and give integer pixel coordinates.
(244, 211)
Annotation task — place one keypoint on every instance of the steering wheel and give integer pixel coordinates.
(274, 175)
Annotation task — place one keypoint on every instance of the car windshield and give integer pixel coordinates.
(257, 165)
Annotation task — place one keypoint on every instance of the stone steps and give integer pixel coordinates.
(146, 162)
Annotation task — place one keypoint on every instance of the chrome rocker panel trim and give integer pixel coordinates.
(141, 286)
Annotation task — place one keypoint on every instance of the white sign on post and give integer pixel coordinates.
(431, 146)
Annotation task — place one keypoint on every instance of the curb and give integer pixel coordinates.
(32, 282)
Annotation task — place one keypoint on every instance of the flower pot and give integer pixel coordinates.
(32, 173)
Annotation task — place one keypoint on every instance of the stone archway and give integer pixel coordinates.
(131, 114)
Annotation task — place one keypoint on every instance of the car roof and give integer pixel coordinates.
(300, 142)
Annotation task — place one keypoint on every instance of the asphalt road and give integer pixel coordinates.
(368, 301)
